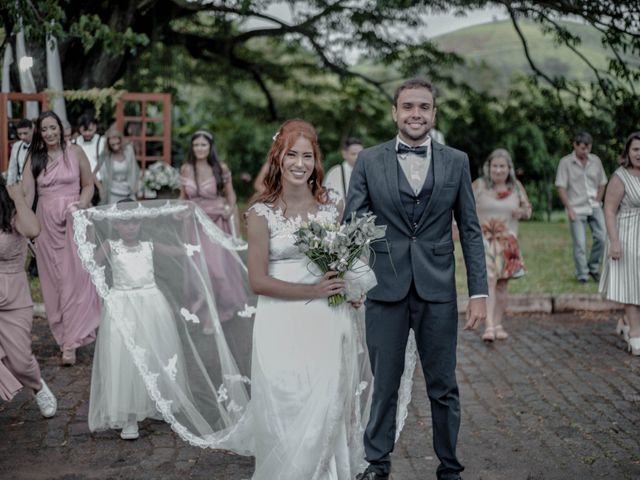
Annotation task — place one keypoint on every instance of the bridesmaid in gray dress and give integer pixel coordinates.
(117, 170)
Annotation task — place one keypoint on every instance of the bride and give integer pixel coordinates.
(308, 363)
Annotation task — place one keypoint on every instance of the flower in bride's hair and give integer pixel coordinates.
(275, 136)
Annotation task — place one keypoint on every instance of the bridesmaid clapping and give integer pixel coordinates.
(61, 177)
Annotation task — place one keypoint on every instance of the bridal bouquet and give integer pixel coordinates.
(338, 248)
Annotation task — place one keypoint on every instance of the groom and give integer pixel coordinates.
(414, 186)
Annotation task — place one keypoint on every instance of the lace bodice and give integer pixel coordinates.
(132, 267)
(282, 229)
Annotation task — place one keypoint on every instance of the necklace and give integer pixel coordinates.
(54, 154)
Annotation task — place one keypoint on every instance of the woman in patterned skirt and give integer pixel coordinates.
(620, 281)
(501, 202)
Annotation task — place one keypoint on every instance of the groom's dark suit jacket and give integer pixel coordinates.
(419, 245)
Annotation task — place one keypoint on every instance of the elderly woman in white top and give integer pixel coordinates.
(117, 169)
(501, 202)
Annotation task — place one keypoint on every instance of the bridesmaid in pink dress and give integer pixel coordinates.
(18, 366)
(63, 183)
(207, 182)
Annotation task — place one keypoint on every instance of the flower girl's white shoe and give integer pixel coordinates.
(130, 431)
(46, 401)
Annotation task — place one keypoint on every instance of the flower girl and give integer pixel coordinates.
(137, 312)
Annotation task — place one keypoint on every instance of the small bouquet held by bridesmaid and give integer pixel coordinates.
(159, 176)
(338, 248)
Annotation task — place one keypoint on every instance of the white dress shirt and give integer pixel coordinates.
(16, 162)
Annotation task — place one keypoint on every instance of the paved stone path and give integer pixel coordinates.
(560, 399)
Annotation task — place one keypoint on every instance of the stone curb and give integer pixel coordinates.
(566, 302)
(517, 303)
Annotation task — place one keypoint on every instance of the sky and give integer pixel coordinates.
(437, 24)
(445, 23)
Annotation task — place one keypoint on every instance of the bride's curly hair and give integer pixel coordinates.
(283, 140)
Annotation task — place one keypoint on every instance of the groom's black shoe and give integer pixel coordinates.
(370, 475)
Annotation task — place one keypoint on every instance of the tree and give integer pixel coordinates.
(99, 40)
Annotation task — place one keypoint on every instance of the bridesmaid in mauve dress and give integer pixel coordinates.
(61, 176)
(207, 182)
(18, 366)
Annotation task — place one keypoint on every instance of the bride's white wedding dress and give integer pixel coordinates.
(308, 387)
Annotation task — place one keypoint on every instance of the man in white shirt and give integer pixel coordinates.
(338, 176)
(581, 182)
(19, 151)
(89, 140)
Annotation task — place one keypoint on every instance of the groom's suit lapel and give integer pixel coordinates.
(438, 166)
(390, 162)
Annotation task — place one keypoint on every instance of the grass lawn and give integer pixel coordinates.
(546, 249)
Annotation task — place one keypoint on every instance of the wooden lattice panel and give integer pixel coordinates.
(19, 108)
(145, 121)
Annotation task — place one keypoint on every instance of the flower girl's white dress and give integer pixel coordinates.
(135, 310)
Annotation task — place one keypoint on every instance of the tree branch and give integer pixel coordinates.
(580, 55)
(535, 68)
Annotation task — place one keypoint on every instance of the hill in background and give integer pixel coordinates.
(495, 53)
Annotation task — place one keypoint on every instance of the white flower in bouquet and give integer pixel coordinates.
(334, 247)
(161, 175)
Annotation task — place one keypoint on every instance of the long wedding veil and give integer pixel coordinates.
(201, 389)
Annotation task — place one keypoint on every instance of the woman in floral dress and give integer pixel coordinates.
(501, 202)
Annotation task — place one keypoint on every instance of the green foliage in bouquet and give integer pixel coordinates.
(334, 247)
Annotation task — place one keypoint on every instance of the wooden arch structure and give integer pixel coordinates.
(143, 118)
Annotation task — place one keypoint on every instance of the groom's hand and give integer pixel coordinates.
(476, 312)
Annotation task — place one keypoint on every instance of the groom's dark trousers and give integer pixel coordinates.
(435, 326)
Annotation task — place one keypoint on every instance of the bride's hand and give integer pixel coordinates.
(357, 303)
(329, 285)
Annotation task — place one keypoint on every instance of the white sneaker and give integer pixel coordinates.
(622, 328)
(46, 401)
(634, 346)
(130, 431)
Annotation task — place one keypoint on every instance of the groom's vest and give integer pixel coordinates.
(414, 204)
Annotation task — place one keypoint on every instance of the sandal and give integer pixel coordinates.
(501, 334)
(489, 334)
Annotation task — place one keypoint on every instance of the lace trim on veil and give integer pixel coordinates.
(406, 384)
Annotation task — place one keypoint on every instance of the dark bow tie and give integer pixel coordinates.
(421, 151)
